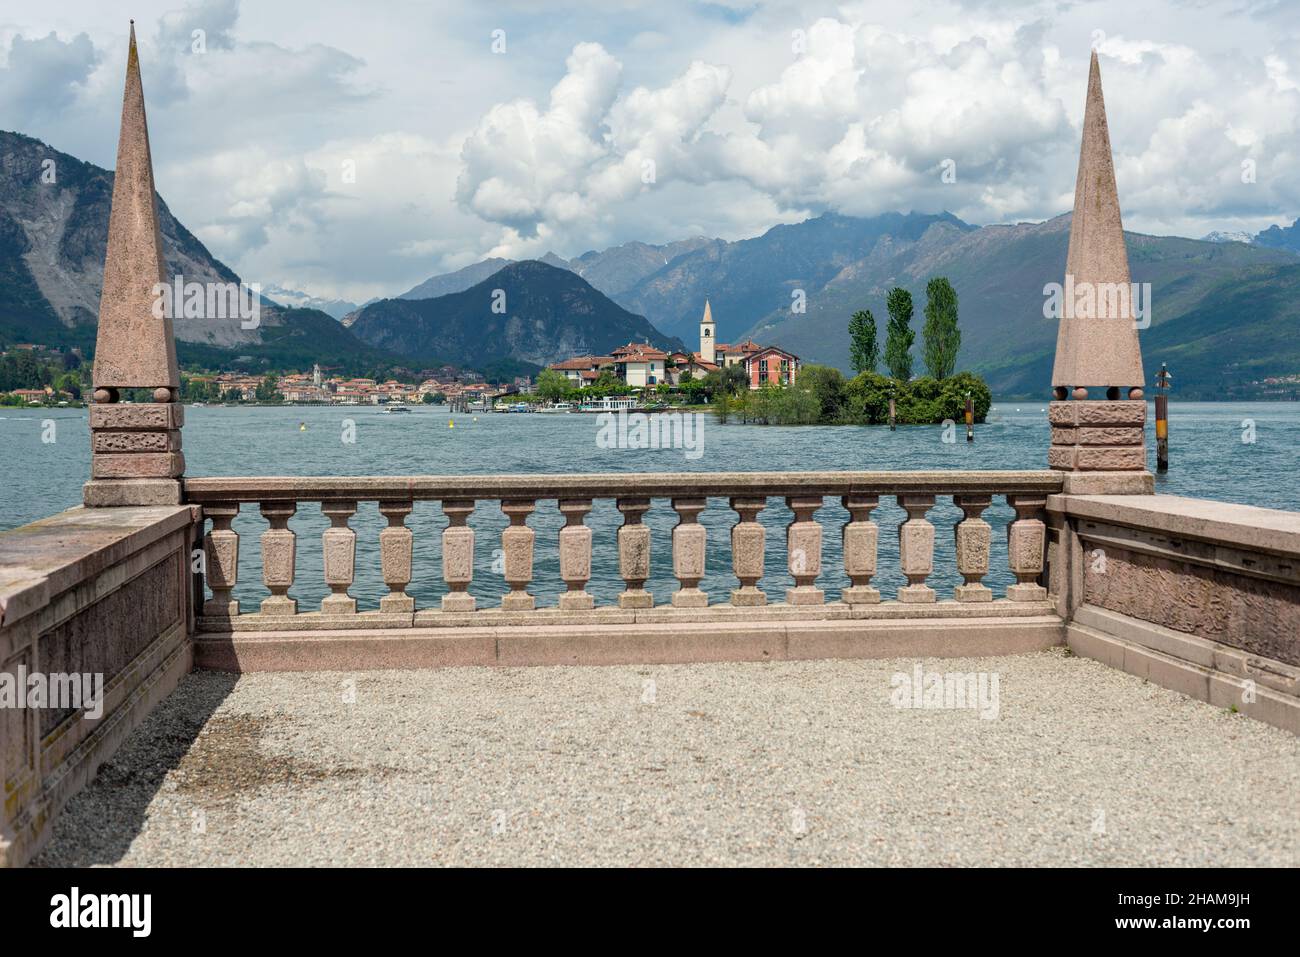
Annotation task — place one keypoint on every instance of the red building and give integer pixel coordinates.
(762, 364)
(771, 365)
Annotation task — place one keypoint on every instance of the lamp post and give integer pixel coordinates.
(891, 408)
(970, 417)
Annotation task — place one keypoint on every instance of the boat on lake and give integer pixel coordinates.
(611, 403)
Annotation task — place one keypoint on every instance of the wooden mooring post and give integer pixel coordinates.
(1163, 379)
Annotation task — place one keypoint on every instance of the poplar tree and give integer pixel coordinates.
(942, 337)
(864, 351)
(900, 336)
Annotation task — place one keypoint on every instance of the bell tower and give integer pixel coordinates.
(708, 335)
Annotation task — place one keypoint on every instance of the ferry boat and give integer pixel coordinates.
(557, 407)
(392, 409)
(612, 403)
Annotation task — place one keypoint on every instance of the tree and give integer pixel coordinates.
(727, 380)
(606, 380)
(942, 337)
(826, 384)
(899, 338)
(552, 385)
(266, 389)
(69, 383)
(864, 351)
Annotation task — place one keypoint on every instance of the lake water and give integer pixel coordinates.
(1237, 452)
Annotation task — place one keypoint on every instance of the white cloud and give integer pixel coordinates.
(460, 153)
(43, 76)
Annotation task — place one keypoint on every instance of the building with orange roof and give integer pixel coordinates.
(581, 370)
(640, 364)
(762, 364)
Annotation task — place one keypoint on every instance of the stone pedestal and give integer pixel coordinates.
(689, 542)
(517, 551)
(748, 538)
(575, 555)
(973, 536)
(136, 456)
(634, 554)
(916, 549)
(1027, 547)
(339, 551)
(458, 556)
(1090, 435)
(860, 538)
(395, 549)
(279, 558)
(804, 551)
(221, 550)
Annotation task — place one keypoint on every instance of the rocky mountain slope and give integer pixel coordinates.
(1206, 298)
(54, 212)
(549, 314)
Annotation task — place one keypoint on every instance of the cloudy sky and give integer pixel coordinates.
(353, 150)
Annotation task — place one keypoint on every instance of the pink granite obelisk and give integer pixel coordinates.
(1097, 340)
(134, 349)
(136, 457)
(1100, 346)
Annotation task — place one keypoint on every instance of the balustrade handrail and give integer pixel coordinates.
(748, 492)
(257, 488)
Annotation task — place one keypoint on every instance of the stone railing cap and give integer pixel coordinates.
(42, 560)
(1243, 526)
(613, 485)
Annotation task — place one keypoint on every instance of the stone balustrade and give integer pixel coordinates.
(689, 494)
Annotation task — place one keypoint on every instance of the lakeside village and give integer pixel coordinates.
(745, 382)
(632, 377)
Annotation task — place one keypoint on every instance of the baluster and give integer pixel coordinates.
(689, 540)
(748, 541)
(457, 556)
(279, 554)
(575, 555)
(221, 552)
(395, 546)
(1026, 544)
(517, 550)
(339, 546)
(634, 554)
(804, 550)
(973, 536)
(916, 548)
(861, 536)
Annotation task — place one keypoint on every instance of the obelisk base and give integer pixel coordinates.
(136, 456)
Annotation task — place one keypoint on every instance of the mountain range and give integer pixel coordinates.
(1221, 311)
(53, 236)
(1224, 313)
(530, 312)
(54, 212)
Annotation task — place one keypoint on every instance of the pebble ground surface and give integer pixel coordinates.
(774, 764)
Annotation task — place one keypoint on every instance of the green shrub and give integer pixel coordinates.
(821, 395)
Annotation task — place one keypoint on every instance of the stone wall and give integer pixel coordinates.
(1197, 595)
(101, 592)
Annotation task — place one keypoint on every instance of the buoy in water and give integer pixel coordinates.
(451, 423)
(302, 426)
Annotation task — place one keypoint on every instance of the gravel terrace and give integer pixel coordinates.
(785, 763)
